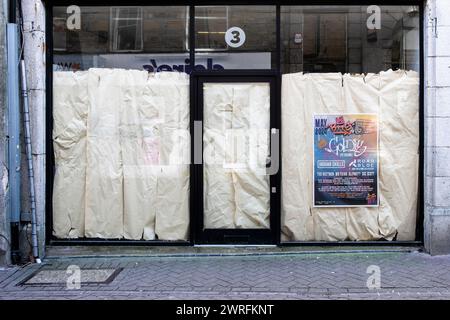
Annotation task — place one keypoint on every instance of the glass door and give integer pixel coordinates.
(237, 187)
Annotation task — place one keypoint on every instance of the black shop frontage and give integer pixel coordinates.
(253, 123)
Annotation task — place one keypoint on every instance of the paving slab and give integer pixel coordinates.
(345, 274)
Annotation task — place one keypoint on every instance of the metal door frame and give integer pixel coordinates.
(235, 236)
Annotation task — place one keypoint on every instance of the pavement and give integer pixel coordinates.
(241, 274)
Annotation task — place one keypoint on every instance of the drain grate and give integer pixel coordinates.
(60, 277)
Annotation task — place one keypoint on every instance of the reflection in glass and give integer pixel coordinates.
(336, 39)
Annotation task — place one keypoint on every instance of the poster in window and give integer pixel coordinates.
(345, 170)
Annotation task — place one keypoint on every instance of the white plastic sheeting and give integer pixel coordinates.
(124, 171)
(70, 108)
(236, 127)
(104, 172)
(394, 96)
(122, 152)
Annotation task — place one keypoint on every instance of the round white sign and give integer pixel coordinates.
(235, 37)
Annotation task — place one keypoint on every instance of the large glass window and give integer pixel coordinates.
(121, 123)
(350, 122)
(235, 37)
(349, 113)
(337, 38)
(150, 38)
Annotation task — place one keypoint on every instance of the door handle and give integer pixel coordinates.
(274, 158)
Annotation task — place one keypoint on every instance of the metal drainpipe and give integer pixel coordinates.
(12, 11)
(13, 131)
(27, 133)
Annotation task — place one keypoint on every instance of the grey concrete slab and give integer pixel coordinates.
(339, 275)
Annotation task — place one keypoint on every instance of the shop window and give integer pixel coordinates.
(154, 37)
(350, 120)
(350, 115)
(121, 124)
(336, 39)
(235, 37)
(211, 23)
(324, 42)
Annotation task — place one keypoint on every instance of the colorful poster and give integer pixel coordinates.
(345, 160)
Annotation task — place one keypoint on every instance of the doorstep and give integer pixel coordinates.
(98, 251)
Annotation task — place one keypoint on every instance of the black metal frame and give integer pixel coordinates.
(248, 236)
(195, 182)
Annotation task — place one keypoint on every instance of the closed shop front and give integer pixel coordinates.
(235, 124)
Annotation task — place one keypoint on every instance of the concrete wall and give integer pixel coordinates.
(437, 127)
(4, 219)
(345, 43)
(34, 54)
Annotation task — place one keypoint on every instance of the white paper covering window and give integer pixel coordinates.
(122, 149)
(235, 140)
(394, 97)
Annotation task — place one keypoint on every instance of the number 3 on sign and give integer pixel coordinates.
(235, 37)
